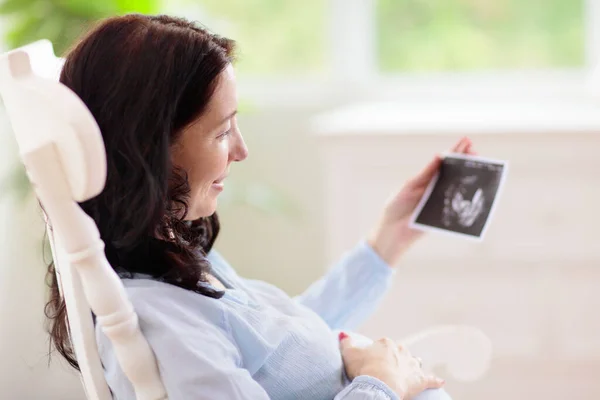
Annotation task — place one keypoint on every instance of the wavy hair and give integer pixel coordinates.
(144, 79)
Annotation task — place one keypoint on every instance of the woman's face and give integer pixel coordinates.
(207, 147)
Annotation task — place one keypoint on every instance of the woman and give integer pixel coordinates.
(163, 93)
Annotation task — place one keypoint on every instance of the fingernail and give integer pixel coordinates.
(342, 336)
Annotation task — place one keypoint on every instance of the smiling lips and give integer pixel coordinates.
(219, 184)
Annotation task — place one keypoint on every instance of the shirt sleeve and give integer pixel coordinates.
(367, 387)
(351, 290)
(198, 360)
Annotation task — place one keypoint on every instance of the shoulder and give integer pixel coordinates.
(186, 331)
(155, 301)
(171, 317)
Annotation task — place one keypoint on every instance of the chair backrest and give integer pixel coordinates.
(61, 147)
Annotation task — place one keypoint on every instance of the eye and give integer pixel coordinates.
(224, 134)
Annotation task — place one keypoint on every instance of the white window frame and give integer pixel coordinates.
(353, 74)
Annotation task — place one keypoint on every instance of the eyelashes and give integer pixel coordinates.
(224, 134)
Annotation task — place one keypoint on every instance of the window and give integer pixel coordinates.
(275, 37)
(322, 51)
(442, 35)
(363, 37)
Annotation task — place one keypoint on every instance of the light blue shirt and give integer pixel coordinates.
(257, 343)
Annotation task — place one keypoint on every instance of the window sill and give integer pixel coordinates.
(461, 117)
(521, 103)
(331, 89)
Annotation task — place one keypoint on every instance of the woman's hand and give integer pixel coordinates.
(392, 236)
(390, 363)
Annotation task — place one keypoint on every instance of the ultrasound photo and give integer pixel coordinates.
(461, 199)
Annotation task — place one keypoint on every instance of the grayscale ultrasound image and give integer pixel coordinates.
(463, 196)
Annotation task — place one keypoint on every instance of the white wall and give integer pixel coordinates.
(287, 250)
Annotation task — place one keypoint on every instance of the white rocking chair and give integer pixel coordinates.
(61, 147)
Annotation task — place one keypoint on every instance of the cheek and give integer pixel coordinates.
(222, 156)
(209, 166)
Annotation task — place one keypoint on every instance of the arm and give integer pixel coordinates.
(351, 290)
(198, 360)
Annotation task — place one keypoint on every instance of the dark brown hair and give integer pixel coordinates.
(144, 79)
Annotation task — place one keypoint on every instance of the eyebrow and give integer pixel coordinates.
(231, 115)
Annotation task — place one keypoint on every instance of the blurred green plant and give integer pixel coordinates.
(274, 37)
(463, 35)
(62, 21)
(291, 37)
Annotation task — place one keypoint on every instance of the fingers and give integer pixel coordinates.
(345, 341)
(470, 150)
(386, 342)
(462, 145)
(428, 172)
(417, 362)
(433, 382)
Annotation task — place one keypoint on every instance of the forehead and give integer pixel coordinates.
(224, 98)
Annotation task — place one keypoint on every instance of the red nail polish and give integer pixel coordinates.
(342, 336)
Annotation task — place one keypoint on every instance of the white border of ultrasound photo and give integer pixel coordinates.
(415, 225)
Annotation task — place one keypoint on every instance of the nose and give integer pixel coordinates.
(239, 150)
